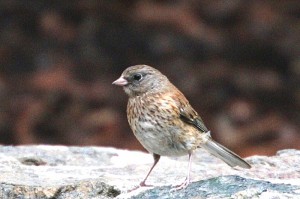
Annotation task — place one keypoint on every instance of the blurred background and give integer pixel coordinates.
(237, 61)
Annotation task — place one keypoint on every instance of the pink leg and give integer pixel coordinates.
(156, 159)
(187, 179)
(143, 183)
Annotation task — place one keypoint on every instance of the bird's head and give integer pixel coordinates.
(140, 79)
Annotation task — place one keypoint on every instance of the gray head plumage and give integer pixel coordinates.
(139, 79)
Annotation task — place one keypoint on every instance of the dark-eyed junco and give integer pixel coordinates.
(164, 122)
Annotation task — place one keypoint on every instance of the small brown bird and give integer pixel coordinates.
(164, 122)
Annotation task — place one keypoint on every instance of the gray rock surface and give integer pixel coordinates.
(93, 172)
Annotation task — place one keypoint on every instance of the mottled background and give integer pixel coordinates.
(237, 61)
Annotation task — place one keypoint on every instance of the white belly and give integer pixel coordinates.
(164, 142)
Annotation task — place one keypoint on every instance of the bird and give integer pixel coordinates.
(164, 122)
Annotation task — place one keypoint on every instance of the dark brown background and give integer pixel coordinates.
(237, 61)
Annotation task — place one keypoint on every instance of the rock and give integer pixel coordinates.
(94, 172)
(225, 187)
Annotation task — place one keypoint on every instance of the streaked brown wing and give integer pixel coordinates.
(190, 116)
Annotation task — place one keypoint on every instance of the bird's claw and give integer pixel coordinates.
(142, 184)
(183, 185)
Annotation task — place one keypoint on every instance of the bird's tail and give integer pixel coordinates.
(223, 153)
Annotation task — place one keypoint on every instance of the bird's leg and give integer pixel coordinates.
(186, 182)
(156, 159)
(143, 183)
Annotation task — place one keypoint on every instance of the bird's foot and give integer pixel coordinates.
(183, 185)
(142, 184)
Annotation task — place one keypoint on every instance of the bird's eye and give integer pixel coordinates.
(137, 76)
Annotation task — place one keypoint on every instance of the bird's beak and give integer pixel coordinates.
(120, 82)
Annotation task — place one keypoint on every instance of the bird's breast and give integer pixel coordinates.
(158, 128)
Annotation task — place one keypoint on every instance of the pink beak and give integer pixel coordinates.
(120, 82)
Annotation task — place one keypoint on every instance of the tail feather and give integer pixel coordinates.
(224, 154)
